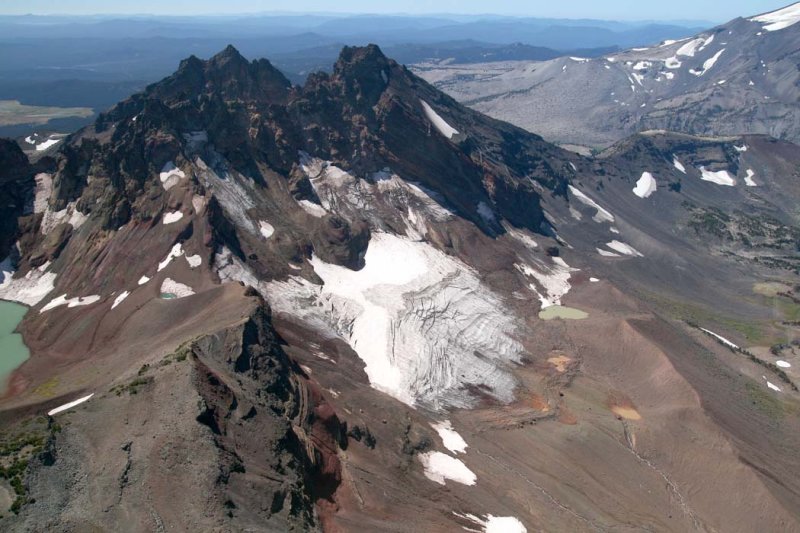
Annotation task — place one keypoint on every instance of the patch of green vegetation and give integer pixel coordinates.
(18, 445)
(47, 389)
(752, 330)
(765, 401)
(132, 387)
(178, 356)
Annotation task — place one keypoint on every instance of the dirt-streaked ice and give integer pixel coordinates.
(170, 286)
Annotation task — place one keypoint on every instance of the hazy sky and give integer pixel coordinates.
(713, 10)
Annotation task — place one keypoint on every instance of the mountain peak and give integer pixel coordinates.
(359, 60)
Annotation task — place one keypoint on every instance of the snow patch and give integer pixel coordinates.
(170, 218)
(678, 165)
(721, 339)
(119, 299)
(194, 261)
(77, 301)
(773, 387)
(170, 286)
(143, 280)
(313, 209)
(553, 280)
(606, 253)
(602, 215)
(740, 149)
(266, 229)
(748, 180)
(783, 364)
(47, 144)
(646, 186)
(176, 251)
(170, 175)
(444, 128)
(450, 438)
(496, 524)
(69, 405)
(721, 177)
(440, 467)
(625, 249)
(709, 63)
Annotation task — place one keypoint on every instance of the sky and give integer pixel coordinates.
(711, 10)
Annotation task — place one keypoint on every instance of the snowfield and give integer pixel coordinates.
(30, 289)
(646, 186)
(422, 321)
(748, 180)
(440, 467)
(780, 19)
(439, 123)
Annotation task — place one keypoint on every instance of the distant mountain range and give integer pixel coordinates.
(109, 58)
(740, 77)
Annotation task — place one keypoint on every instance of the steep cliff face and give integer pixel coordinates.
(16, 186)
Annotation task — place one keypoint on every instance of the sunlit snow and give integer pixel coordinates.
(444, 128)
(721, 177)
(645, 186)
(119, 299)
(602, 215)
(69, 405)
(625, 249)
(780, 19)
(450, 438)
(440, 467)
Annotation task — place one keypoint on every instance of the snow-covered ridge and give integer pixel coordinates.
(780, 19)
(439, 123)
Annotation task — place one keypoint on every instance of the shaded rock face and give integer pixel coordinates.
(252, 392)
(16, 187)
(365, 116)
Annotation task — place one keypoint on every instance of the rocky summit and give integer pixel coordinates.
(358, 305)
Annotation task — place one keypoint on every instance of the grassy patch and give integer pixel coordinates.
(133, 387)
(753, 331)
(765, 401)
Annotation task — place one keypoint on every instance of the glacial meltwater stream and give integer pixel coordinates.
(13, 351)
